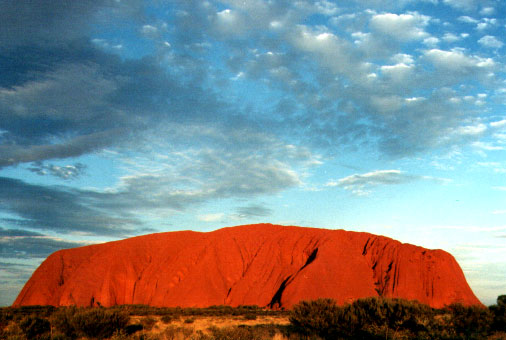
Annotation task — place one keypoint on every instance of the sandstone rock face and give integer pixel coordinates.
(264, 265)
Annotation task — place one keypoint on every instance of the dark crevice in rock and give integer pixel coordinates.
(394, 282)
(133, 291)
(364, 252)
(276, 299)
(310, 259)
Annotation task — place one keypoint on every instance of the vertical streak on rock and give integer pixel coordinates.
(62, 279)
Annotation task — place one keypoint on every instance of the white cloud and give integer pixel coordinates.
(230, 22)
(386, 104)
(332, 183)
(468, 19)
(486, 23)
(487, 11)
(456, 60)
(360, 37)
(450, 37)
(498, 124)
(431, 41)
(149, 31)
(332, 51)
(490, 41)
(413, 100)
(326, 7)
(461, 4)
(181, 175)
(402, 58)
(494, 166)
(361, 184)
(487, 146)
(482, 26)
(404, 27)
(211, 217)
(252, 210)
(471, 130)
(64, 172)
(397, 73)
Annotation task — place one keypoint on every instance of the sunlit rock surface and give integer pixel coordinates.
(265, 265)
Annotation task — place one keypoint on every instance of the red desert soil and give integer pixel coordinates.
(265, 265)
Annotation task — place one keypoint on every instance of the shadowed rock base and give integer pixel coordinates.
(265, 265)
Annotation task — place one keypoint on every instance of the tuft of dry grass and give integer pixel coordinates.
(201, 328)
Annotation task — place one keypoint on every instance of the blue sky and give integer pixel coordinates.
(126, 117)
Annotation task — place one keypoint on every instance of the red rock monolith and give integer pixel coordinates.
(266, 265)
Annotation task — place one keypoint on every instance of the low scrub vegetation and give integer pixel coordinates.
(322, 319)
(380, 318)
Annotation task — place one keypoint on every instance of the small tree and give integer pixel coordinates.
(499, 312)
(472, 322)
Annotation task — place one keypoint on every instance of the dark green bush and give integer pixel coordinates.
(319, 317)
(6, 315)
(96, 323)
(148, 323)
(62, 321)
(469, 322)
(166, 319)
(189, 320)
(35, 327)
(381, 317)
(131, 329)
(368, 318)
(250, 316)
(499, 312)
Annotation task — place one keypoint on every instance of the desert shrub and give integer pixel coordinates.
(62, 321)
(12, 331)
(369, 318)
(93, 323)
(250, 316)
(381, 317)
(120, 335)
(6, 315)
(59, 336)
(41, 311)
(469, 322)
(99, 323)
(131, 329)
(35, 327)
(319, 317)
(189, 320)
(499, 312)
(185, 332)
(166, 319)
(148, 323)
